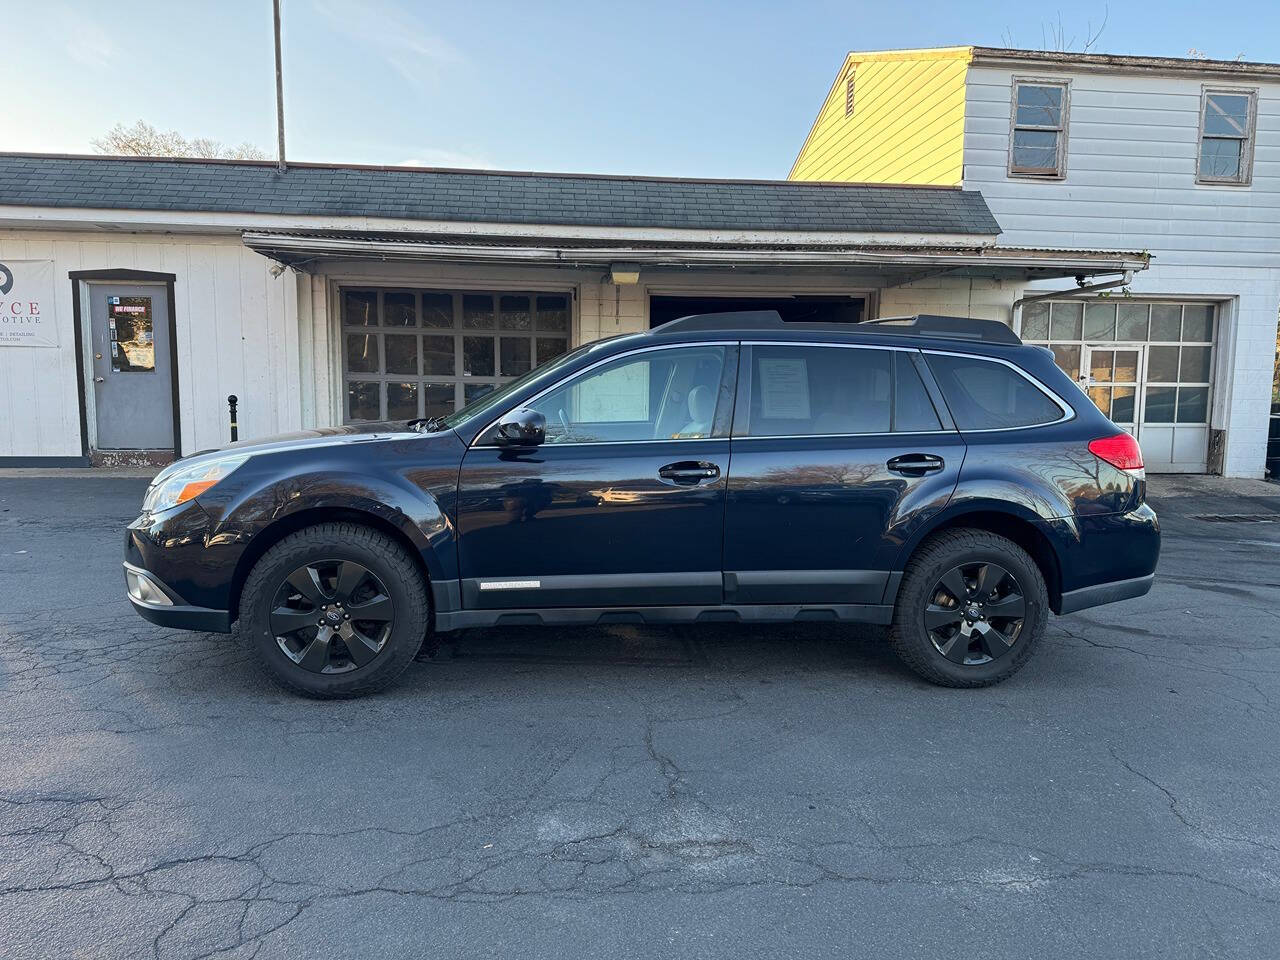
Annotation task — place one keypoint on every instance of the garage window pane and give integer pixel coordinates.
(553, 314)
(1122, 404)
(399, 309)
(362, 353)
(514, 313)
(1100, 321)
(1035, 322)
(474, 391)
(477, 311)
(402, 401)
(437, 356)
(1066, 321)
(1195, 365)
(1162, 364)
(1166, 322)
(360, 308)
(550, 347)
(1193, 404)
(363, 401)
(477, 356)
(1160, 402)
(514, 354)
(1101, 397)
(402, 353)
(437, 310)
(1197, 323)
(437, 399)
(1067, 356)
(1132, 323)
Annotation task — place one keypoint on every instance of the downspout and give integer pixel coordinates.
(1081, 289)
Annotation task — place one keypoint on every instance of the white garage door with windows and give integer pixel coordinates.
(1146, 364)
(425, 353)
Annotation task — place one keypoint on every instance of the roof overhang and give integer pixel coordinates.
(895, 262)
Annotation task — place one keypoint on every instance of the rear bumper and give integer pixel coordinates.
(1100, 593)
(159, 603)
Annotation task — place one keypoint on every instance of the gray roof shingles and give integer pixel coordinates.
(484, 197)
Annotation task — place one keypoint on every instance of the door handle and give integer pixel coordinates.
(689, 472)
(99, 379)
(916, 464)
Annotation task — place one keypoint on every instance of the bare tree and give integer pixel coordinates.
(1054, 36)
(144, 140)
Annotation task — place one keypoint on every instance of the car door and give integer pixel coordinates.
(622, 505)
(839, 452)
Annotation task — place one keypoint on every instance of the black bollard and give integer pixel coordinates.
(235, 427)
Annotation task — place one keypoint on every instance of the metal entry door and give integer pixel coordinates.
(132, 375)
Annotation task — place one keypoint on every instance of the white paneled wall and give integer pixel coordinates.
(1130, 185)
(235, 326)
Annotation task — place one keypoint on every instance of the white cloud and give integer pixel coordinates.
(432, 157)
(85, 41)
(393, 34)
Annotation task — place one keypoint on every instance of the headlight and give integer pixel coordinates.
(179, 483)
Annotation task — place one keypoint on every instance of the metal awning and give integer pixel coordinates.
(891, 263)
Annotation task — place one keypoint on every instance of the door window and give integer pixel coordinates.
(985, 395)
(668, 394)
(817, 391)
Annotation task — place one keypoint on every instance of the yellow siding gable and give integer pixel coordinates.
(907, 124)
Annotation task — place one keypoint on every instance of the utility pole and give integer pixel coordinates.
(279, 90)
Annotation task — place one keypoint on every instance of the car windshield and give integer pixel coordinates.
(494, 400)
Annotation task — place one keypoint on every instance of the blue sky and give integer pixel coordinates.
(686, 89)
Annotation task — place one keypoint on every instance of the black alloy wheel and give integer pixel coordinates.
(332, 616)
(975, 613)
(971, 609)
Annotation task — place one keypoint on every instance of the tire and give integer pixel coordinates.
(357, 656)
(924, 600)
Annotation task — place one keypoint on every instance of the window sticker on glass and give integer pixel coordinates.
(133, 348)
(784, 388)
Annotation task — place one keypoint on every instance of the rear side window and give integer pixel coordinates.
(986, 395)
(808, 391)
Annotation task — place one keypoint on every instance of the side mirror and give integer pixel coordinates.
(522, 427)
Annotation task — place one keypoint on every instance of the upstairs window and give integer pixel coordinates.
(1038, 139)
(1226, 136)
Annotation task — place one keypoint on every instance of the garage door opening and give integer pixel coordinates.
(793, 309)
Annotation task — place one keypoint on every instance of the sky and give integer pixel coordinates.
(702, 89)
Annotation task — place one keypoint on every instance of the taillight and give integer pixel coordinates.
(1121, 451)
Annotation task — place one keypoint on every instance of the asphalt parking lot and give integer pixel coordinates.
(628, 792)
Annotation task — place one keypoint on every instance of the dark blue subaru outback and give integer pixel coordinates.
(930, 474)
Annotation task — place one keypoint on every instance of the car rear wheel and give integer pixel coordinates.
(335, 610)
(971, 609)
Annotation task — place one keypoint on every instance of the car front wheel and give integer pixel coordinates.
(334, 610)
(971, 609)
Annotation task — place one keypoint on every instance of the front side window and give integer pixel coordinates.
(1226, 136)
(986, 395)
(668, 394)
(823, 391)
(1038, 140)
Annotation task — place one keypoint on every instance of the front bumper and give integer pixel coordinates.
(161, 605)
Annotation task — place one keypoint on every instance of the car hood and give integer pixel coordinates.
(317, 437)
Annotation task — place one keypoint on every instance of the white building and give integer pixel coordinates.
(1179, 158)
(136, 295)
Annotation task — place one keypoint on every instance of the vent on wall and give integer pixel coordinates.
(848, 96)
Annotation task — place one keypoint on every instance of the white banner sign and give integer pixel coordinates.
(26, 304)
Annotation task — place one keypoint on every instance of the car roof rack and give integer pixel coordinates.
(920, 325)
